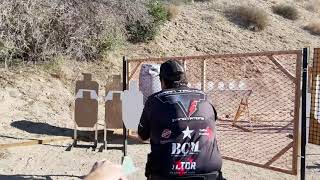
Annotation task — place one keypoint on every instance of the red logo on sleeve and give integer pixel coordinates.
(192, 107)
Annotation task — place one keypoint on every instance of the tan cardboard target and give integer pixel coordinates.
(113, 115)
(113, 105)
(86, 111)
(87, 84)
(86, 105)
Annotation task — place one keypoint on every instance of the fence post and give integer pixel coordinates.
(124, 81)
(304, 113)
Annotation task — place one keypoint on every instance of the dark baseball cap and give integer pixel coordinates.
(171, 70)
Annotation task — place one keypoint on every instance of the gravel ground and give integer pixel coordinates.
(52, 161)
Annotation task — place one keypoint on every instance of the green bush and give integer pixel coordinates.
(54, 66)
(158, 11)
(286, 11)
(143, 31)
(111, 42)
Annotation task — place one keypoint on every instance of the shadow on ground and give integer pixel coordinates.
(315, 166)
(36, 177)
(87, 136)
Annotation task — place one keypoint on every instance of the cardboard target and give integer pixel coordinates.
(86, 111)
(113, 105)
(113, 115)
(87, 84)
(86, 104)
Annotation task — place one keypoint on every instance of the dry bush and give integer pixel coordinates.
(178, 2)
(313, 27)
(142, 31)
(253, 18)
(34, 30)
(313, 5)
(286, 11)
(172, 11)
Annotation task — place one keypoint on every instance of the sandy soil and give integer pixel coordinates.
(52, 161)
(35, 104)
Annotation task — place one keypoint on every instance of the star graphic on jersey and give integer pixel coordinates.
(187, 133)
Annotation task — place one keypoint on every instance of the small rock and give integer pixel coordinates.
(1, 97)
(14, 93)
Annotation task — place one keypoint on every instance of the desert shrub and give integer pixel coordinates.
(286, 11)
(7, 52)
(42, 29)
(142, 30)
(158, 11)
(313, 5)
(111, 41)
(172, 11)
(253, 18)
(179, 2)
(313, 27)
(54, 65)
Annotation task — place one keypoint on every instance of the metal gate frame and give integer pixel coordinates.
(130, 71)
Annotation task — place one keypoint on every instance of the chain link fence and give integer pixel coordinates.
(257, 99)
(314, 128)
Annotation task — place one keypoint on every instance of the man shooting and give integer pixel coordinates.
(180, 123)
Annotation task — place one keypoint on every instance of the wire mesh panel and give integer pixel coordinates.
(314, 129)
(257, 99)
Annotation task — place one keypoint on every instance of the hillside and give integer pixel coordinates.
(204, 28)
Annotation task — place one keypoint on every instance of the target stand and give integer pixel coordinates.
(243, 109)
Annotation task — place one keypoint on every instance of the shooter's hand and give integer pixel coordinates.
(105, 170)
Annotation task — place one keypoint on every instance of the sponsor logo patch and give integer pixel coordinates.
(206, 132)
(187, 100)
(166, 133)
(182, 167)
(189, 119)
(184, 149)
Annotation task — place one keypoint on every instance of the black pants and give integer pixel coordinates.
(209, 176)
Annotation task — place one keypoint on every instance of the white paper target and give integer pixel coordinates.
(242, 85)
(198, 85)
(232, 85)
(93, 94)
(210, 86)
(221, 86)
(132, 106)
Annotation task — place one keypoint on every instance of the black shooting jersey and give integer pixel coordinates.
(181, 126)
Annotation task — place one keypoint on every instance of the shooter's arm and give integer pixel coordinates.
(144, 125)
